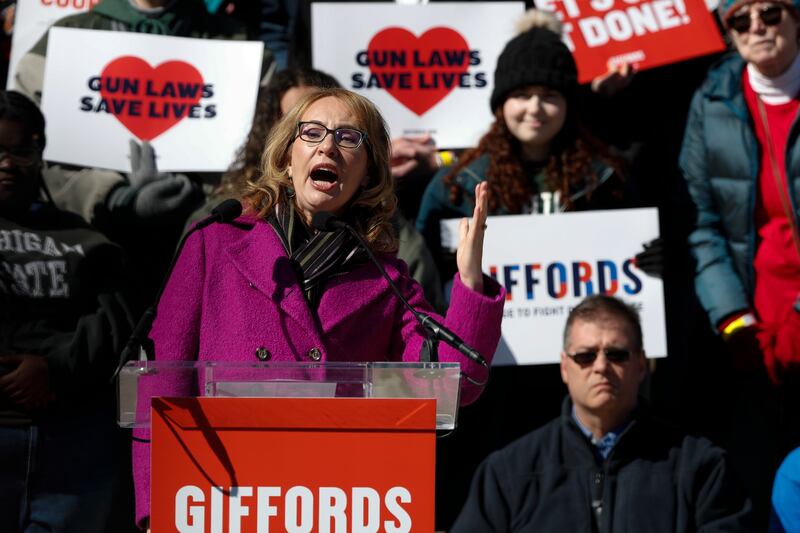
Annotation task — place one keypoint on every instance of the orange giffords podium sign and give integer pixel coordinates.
(292, 464)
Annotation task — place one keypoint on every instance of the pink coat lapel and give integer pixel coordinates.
(261, 259)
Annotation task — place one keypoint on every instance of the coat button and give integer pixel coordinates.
(314, 354)
(263, 354)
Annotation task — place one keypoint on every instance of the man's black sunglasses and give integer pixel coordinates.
(769, 15)
(587, 357)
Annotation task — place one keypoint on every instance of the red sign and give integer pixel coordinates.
(148, 101)
(418, 71)
(604, 34)
(283, 464)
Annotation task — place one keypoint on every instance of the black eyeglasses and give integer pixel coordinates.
(314, 132)
(770, 16)
(20, 155)
(587, 357)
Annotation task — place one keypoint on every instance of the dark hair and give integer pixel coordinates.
(19, 108)
(268, 111)
(600, 307)
(573, 150)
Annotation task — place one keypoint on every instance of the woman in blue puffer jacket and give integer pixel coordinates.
(741, 161)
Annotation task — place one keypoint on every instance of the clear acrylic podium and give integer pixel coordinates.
(439, 381)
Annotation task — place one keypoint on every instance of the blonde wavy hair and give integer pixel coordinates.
(371, 208)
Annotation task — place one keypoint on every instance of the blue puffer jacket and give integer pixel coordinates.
(720, 160)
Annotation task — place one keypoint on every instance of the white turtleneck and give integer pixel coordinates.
(777, 90)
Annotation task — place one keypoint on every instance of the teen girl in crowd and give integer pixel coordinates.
(536, 156)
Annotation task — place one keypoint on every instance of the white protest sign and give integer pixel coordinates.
(429, 68)
(549, 263)
(31, 20)
(193, 99)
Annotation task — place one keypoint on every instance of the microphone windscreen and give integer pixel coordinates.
(325, 221)
(228, 210)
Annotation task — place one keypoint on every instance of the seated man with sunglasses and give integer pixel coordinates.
(605, 464)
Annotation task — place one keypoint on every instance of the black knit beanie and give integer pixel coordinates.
(536, 57)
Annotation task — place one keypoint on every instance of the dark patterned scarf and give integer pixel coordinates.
(314, 256)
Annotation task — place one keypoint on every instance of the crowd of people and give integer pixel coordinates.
(605, 440)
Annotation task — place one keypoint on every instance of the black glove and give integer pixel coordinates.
(651, 259)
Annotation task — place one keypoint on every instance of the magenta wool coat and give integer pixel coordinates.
(233, 294)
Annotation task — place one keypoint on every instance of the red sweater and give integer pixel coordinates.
(777, 262)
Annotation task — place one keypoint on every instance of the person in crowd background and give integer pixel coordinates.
(271, 284)
(606, 464)
(741, 163)
(63, 319)
(536, 157)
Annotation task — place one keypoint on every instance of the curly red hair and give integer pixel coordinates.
(569, 165)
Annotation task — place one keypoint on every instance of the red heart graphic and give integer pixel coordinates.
(165, 94)
(418, 71)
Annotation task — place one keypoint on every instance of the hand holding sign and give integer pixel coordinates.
(651, 259)
(151, 197)
(605, 34)
(615, 80)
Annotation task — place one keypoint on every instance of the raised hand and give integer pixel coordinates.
(469, 255)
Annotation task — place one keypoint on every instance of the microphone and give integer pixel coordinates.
(225, 212)
(324, 221)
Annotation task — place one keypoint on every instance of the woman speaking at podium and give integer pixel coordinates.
(270, 287)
